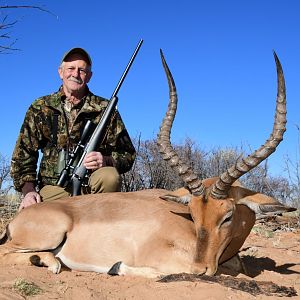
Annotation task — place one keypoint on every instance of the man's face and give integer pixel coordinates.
(75, 74)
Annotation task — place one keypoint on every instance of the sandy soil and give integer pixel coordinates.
(268, 254)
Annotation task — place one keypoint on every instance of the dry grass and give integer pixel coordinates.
(287, 222)
(25, 288)
(8, 208)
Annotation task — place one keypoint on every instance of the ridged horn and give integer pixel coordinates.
(163, 140)
(222, 185)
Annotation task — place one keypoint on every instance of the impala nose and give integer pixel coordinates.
(204, 269)
(199, 269)
(210, 271)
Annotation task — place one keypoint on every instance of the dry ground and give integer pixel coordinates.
(271, 254)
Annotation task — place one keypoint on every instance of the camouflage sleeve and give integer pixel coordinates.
(118, 144)
(25, 154)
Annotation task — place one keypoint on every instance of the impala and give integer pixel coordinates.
(150, 232)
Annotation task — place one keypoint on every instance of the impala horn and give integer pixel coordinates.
(222, 185)
(163, 140)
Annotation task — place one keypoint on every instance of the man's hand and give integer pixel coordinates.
(29, 199)
(94, 160)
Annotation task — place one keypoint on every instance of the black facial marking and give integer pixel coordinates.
(202, 239)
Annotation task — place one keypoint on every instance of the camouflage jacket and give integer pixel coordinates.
(36, 135)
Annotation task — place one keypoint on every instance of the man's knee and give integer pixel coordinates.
(52, 192)
(104, 180)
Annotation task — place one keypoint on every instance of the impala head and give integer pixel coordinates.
(222, 211)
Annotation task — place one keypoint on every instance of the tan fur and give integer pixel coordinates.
(149, 235)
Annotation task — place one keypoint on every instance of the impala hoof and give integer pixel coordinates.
(55, 267)
(52, 263)
(36, 260)
(115, 269)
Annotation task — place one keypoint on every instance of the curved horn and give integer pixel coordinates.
(163, 140)
(222, 185)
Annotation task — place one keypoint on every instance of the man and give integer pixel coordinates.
(53, 125)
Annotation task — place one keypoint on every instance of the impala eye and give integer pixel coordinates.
(227, 218)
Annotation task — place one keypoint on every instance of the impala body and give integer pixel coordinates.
(150, 232)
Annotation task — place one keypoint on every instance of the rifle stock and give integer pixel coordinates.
(75, 174)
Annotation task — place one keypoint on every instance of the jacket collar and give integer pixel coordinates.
(92, 103)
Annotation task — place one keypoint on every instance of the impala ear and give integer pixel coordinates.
(265, 209)
(181, 195)
(184, 199)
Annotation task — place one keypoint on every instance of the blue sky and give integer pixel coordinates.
(220, 54)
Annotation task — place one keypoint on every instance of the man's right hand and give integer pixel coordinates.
(30, 199)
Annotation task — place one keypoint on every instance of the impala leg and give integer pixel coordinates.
(120, 268)
(9, 254)
(46, 259)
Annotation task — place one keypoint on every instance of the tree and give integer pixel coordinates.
(149, 170)
(5, 179)
(292, 167)
(6, 25)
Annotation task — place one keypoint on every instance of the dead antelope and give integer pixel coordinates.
(139, 233)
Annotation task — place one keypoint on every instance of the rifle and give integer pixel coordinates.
(88, 142)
